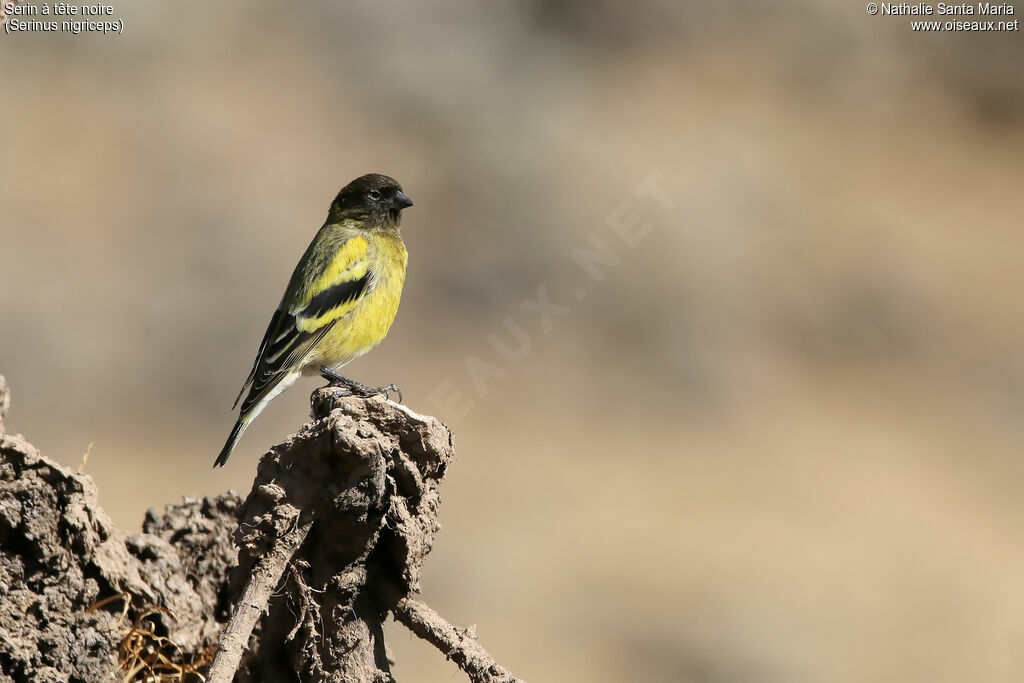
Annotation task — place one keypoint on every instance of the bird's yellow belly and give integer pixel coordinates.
(363, 328)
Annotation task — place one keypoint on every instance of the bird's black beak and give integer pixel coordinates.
(401, 201)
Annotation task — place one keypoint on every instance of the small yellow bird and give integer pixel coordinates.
(340, 301)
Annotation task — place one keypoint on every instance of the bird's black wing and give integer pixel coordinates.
(285, 344)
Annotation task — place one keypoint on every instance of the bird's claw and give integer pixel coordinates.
(358, 388)
(394, 388)
(363, 391)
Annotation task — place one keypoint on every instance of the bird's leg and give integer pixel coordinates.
(358, 388)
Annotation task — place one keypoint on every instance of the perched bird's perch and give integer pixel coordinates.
(348, 506)
(331, 539)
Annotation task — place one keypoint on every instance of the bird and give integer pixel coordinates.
(339, 303)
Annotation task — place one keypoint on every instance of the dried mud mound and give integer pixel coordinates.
(98, 613)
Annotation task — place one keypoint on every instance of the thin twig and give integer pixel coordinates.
(458, 645)
(85, 457)
(265, 577)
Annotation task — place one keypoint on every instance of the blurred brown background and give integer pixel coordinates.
(779, 440)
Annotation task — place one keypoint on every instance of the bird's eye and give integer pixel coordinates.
(373, 194)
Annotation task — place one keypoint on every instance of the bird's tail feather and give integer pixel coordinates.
(247, 416)
(236, 433)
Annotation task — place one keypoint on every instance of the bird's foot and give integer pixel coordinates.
(358, 388)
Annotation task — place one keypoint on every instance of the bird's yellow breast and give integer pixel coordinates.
(368, 322)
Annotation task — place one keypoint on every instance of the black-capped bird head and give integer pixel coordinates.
(374, 198)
